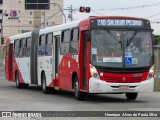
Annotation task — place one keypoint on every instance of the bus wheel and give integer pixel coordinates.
(131, 96)
(78, 94)
(18, 84)
(45, 89)
(25, 85)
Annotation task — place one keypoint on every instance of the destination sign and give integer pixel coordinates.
(119, 22)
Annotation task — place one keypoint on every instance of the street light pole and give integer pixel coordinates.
(60, 10)
(49, 4)
(52, 16)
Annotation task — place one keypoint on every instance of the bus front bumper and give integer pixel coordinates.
(99, 86)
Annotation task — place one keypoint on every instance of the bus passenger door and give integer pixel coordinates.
(84, 60)
(56, 56)
(8, 61)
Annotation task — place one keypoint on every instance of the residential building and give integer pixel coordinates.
(28, 20)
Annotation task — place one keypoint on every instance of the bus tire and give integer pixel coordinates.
(78, 94)
(45, 89)
(25, 86)
(131, 96)
(18, 84)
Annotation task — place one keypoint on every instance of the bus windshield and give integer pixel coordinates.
(121, 48)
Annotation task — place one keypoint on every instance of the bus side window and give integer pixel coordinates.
(24, 48)
(7, 44)
(42, 43)
(28, 46)
(16, 46)
(21, 46)
(74, 41)
(49, 43)
(65, 41)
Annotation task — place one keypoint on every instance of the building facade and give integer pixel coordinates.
(28, 20)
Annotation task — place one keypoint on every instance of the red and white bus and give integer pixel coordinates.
(107, 54)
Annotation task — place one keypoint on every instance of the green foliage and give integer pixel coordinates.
(158, 39)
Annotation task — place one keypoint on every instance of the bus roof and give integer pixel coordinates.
(60, 27)
(23, 35)
(69, 25)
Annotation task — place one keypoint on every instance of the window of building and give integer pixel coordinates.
(30, 22)
(53, 23)
(19, 31)
(30, 13)
(45, 4)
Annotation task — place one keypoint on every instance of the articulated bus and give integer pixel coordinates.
(97, 55)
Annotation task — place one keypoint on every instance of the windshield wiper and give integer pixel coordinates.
(119, 41)
(131, 39)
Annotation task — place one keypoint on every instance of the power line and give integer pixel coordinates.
(158, 22)
(153, 15)
(156, 19)
(125, 8)
(97, 12)
(132, 7)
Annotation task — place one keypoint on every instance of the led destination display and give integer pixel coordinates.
(126, 23)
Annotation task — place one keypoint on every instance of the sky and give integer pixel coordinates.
(149, 9)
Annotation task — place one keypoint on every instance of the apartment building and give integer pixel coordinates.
(27, 20)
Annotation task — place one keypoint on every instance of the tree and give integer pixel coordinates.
(158, 38)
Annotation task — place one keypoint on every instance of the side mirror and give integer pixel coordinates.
(87, 35)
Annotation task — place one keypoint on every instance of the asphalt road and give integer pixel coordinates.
(32, 99)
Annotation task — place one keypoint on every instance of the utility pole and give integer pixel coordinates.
(70, 10)
(44, 18)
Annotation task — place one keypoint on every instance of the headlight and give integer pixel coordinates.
(94, 72)
(151, 73)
